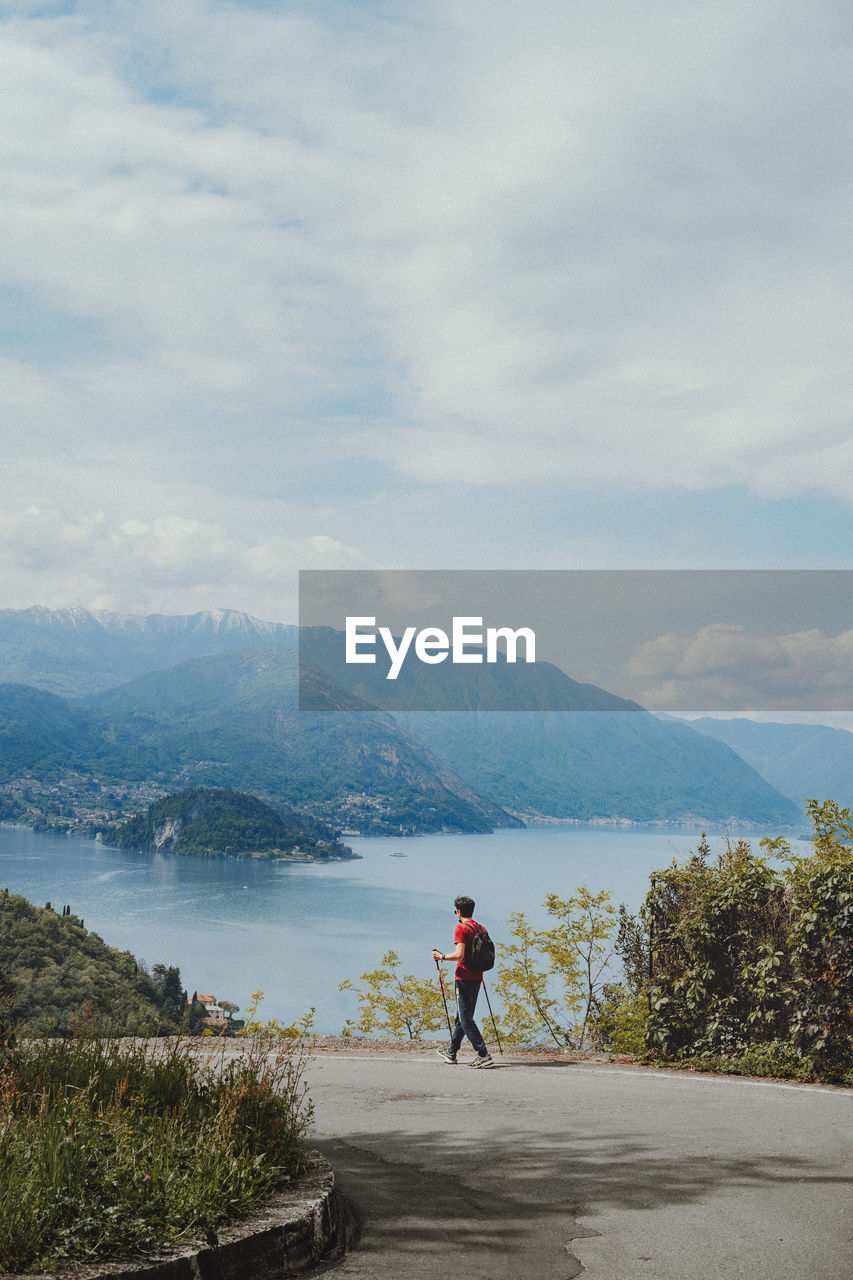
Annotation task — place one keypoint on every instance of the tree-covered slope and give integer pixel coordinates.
(212, 822)
(42, 734)
(57, 970)
(600, 764)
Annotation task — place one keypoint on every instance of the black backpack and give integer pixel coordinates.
(480, 952)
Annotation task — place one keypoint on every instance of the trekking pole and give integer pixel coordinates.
(444, 997)
(494, 1024)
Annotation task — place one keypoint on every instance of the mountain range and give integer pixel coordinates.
(801, 760)
(76, 651)
(211, 700)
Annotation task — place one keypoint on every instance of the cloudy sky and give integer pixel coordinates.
(433, 285)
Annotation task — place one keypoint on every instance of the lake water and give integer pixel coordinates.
(297, 931)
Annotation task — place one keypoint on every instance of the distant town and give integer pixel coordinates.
(77, 805)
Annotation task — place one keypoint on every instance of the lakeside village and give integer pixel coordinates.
(79, 804)
(85, 805)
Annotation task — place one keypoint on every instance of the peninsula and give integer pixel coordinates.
(211, 822)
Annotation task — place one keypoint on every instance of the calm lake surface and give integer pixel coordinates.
(297, 931)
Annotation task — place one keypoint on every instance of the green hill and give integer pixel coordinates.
(56, 970)
(42, 734)
(216, 823)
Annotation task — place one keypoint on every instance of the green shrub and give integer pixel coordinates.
(821, 940)
(753, 964)
(620, 1021)
(777, 1059)
(721, 969)
(395, 1003)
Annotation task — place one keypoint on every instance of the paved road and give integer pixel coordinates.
(554, 1169)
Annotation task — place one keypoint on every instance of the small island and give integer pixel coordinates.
(212, 822)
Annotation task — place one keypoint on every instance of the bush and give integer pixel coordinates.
(721, 968)
(620, 1021)
(821, 941)
(753, 964)
(777, 1059)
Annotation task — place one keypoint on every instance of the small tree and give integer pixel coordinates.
(272, 1029)
(550, 979)
(522, 985)
(395, 1002)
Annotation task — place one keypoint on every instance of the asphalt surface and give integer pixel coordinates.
(555, 1169)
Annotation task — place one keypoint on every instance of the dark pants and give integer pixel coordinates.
(466, 1002)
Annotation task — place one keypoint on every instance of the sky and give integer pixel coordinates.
(427, 286)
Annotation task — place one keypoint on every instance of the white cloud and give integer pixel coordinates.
(481, 244)
(169, 564)
(726, 667)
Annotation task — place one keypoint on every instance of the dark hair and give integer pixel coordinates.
(465, 905)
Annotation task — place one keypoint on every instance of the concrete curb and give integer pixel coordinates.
(294, 1230)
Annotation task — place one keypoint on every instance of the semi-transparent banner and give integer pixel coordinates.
(570, 640)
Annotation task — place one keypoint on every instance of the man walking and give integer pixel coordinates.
(468, 985)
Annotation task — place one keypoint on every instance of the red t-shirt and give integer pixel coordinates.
(461, 934)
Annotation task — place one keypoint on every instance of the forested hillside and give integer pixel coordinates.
(53, 970)
(42, 734)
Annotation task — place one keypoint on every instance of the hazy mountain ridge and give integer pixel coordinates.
(457, 687)
(600, 764)
(78, 651)
(232, 721)
(800, 760)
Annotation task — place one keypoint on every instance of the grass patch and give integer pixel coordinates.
(114, 1147)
